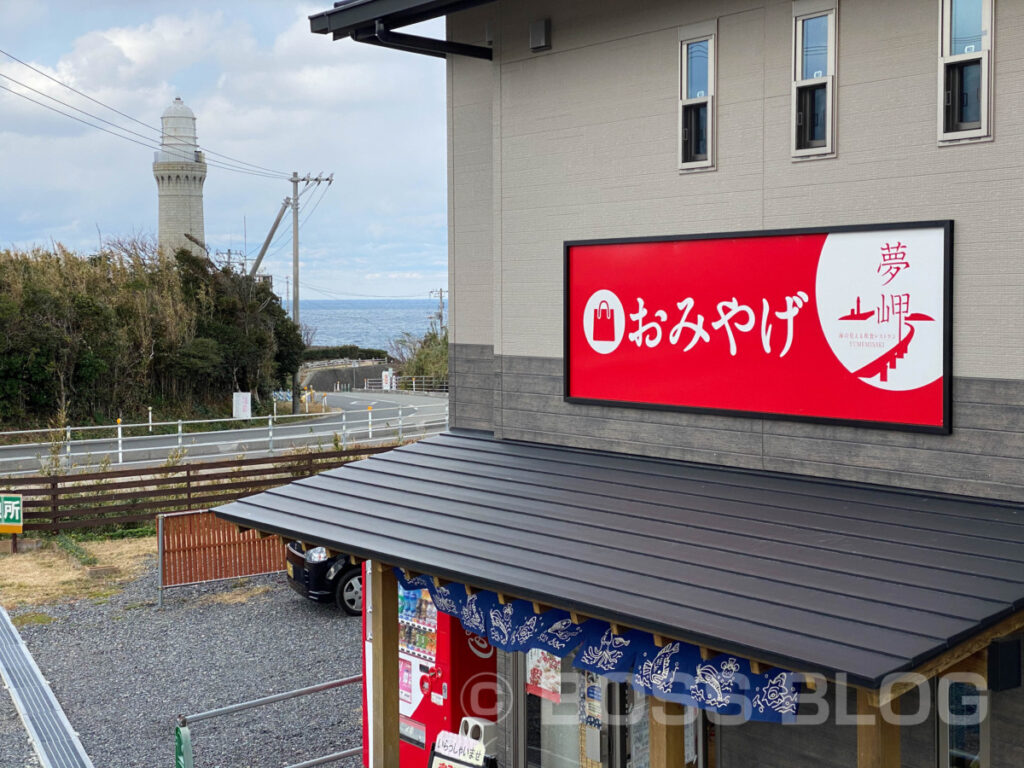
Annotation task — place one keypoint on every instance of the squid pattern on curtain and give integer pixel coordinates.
(674, 671)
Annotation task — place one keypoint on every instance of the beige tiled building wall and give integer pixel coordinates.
(580, 141)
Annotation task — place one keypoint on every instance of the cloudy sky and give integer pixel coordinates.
(265, 91)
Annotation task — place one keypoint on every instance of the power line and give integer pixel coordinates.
(359, 295)
(309, 213)
(281, 240)
(123, 114)
(84, 122)
(150, 145)
(184, 155)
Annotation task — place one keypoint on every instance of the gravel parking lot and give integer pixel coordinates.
(122, 670)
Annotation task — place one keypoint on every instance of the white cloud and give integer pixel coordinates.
(264, 90)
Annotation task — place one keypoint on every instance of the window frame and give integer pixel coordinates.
(942, 688)
(697, 33)
(802, 11)
(947, 59)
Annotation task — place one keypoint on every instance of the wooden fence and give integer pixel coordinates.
(125, 496)
(199, 546)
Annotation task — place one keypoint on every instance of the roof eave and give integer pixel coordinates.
(347, 18)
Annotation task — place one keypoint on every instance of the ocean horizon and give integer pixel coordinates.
(370, 323)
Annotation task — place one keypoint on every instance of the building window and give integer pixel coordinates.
(963, 726)
(966, 50)
(696, 96)
(814, 66)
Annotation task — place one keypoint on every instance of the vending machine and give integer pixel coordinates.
(444, 674)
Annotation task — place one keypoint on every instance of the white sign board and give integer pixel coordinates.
(461, 748)
(241, 405)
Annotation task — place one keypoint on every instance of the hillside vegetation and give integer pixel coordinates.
(105, 335)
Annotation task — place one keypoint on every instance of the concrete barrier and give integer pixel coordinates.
(325, 379)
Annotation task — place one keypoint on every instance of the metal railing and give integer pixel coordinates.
(183, 738)
(409, 384)
(260, 436)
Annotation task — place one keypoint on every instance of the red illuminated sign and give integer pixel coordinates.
(849, 324)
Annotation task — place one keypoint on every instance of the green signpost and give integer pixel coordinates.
(182, 748)
(10, 513)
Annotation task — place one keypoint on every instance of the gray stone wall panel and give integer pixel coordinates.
(521, 398)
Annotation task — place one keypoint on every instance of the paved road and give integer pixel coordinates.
(358, 417)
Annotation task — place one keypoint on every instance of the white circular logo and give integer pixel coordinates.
(604, 321)
(880, 303)
(479, 645)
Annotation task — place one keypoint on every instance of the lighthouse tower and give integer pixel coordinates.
(180, 170)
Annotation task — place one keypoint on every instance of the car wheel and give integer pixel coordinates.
(348, 591)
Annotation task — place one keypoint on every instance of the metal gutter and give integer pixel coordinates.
(55, 741)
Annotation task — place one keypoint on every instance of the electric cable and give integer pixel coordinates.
(127, 116)
(359, 295)
(151, 145)
(162, 148)
(281, 239)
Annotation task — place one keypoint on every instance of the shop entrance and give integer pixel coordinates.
(573, 718)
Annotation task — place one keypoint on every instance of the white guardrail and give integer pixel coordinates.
(266, 436)
(408, 384)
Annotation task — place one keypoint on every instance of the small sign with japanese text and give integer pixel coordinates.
(848, 324)
(10, 514)
(462, 749)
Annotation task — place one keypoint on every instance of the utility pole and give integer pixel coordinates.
(295, 278)
(308, 180)
(440, 292)
(270, 236)
(295, 250)
(295, 179)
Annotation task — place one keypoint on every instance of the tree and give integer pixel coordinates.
(117, 330)
(426, 356)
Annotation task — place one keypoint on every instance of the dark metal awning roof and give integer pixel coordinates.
(351, 16)
(811, 575)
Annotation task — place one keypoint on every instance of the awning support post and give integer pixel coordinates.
(667, 733)
(878, 741)
(384, 685)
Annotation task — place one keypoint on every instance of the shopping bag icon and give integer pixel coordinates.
(604, 322)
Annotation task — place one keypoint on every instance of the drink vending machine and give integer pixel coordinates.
(444, 674)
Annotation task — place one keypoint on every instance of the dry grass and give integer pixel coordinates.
(48, 576)
(316, 405)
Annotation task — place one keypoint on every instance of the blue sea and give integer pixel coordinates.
(366, 322)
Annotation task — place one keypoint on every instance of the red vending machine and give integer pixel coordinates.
(444, 674)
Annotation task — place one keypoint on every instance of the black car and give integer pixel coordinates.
(325, 579)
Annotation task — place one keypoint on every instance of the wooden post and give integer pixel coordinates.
(667, 733)
(384, 670)
(53, 504)
(878, 742)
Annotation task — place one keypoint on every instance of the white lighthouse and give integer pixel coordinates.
(180, 170)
